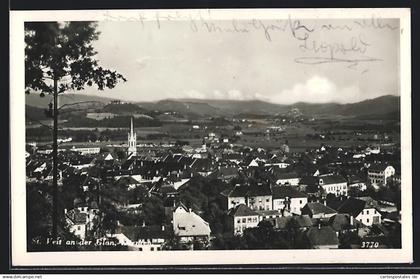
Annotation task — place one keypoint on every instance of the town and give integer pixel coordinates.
(237, 182)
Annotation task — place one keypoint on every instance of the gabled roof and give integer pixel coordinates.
(332, 179)
(322, 236)
(239, 191)
(378, 167)
(77, 217)
(259, 190)
(127, 180)
(317, 208)
(190, 224)
(352, 206)
(242, 210)
(135, 233)
(282, 192)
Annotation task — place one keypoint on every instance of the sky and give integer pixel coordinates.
(280, 61)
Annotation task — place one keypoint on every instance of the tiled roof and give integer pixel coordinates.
(259, 190)
(316, 208)
(76, 216)
(239, 191)
(354, 206)
(377, 167)
(332, 179)
(241, 210)
(190, 224)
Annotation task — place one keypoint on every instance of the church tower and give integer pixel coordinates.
(132, 141)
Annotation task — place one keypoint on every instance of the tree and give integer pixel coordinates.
(59, 57)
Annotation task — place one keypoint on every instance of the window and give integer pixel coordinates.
(249, 219)
(152, 248)
(362, 212)
(301, 201)
(78, 228)
(367, 220)
(267, 200)
(238, 221)
(140, 249)
(367, 211)
(243, 220)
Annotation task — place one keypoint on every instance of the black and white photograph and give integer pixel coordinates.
(211, 136)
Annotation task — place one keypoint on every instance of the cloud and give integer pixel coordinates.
(317, 89)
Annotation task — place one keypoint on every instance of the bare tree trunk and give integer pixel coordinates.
(55, 163)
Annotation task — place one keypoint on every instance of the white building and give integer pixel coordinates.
(378, 174)
(241, 218)
(189, 226)
(333, 184)
(86, 150)
(362, 209)
(288, 199)
(132, 141)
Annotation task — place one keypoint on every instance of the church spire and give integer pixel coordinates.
(132, 140)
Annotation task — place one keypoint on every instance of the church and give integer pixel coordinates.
(132, 141)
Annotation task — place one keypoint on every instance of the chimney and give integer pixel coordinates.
(144, 224)
(163, 228)
(351, 220)
(65, 210)
(319, 226)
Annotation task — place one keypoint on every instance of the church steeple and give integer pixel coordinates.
(132, 140)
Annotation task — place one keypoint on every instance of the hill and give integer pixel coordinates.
(122, 108)
(35, 100)
(382, 106)
(186, 107)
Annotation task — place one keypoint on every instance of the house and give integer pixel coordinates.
(128, 182)
(144, 238)
(238, 195)
(269, 214)
(378, 174)
(322, 237)
(287, 178)
(189, 226)
(318, 210)
(82, 219)
(333, 184)
(363, 210)
(242, 217)
(355, 182)
(226, 173)
(289, 199)
(259, 197)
